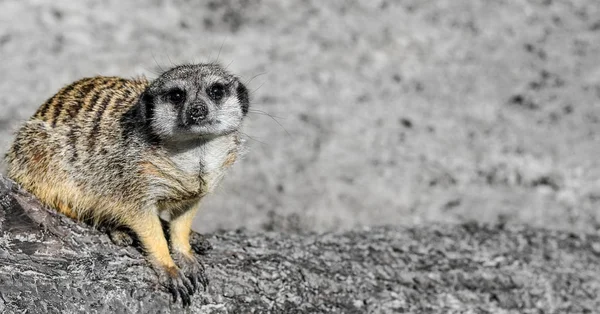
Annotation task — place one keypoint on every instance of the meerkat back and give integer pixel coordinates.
(61, 153)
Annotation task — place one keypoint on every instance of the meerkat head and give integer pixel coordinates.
(194, 101)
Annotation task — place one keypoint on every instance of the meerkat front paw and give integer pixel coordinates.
(176, 281)
(192, 268)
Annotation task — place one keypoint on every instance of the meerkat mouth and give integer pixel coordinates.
(200, 137)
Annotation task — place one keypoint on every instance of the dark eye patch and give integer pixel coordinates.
(176, 96)
(216, 91)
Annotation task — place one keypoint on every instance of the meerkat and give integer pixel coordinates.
(128, 152)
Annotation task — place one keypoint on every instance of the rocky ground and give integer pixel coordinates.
(366, 112)
(50, 264)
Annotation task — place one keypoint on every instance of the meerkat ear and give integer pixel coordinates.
(243, 97)
(144, 114)
(146, 106)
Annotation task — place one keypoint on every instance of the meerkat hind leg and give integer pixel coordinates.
(180, 228)
(120, 237)
(149, 231)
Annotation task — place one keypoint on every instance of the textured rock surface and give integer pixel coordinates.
(48, 264)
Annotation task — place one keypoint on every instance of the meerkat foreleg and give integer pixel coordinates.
(148, 228)
(180, 228)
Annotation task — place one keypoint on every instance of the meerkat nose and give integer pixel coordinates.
(198, 112)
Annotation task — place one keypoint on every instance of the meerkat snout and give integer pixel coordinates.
(197, 113)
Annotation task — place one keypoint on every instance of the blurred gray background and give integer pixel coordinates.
(374, 112)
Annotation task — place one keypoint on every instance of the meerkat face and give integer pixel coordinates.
(195, 101)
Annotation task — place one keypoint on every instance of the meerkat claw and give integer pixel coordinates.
(192, 269)
(205, 282)
(178, 284)
(183, 295)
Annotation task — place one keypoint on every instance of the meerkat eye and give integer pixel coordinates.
(216, 91)
(176, 96)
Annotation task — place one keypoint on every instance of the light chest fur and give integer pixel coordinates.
(206, 158)
(191, 170)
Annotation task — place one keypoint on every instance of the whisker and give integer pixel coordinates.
(220, 48)
(254, 91)
(252, 138)
(227, 66)
(156, 62)
(171, 61)
(153, 71)
(280, 125)
(255, 111)
(255, 76)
